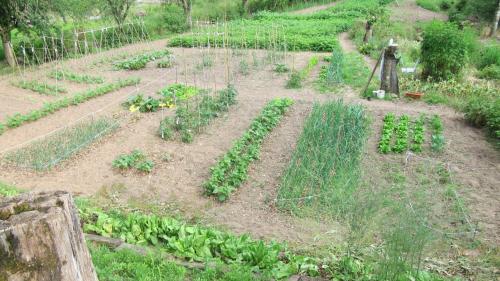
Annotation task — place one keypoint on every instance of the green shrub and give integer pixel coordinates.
(174, 19)
(482, 111)
(444, 50)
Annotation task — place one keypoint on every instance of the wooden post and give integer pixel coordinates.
(389, 78)
(41, 239)
(368, 32)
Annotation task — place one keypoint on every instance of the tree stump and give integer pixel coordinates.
(389, 78)
(41, 239)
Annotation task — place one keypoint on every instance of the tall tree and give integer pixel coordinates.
(187, 7)
(21, 14)
(118, 9)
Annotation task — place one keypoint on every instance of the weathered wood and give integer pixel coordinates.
(41, 239)
(389, 78)
(373, 73)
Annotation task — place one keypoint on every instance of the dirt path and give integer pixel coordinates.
(348, 46)
(314, 9)
(409, 11)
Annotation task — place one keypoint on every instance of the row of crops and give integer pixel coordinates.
(315, 32)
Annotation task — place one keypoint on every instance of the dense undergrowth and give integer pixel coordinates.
(231, 170)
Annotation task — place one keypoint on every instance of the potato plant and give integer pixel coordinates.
(75, 77)
(140, 61)
(232, 169)
(136, 159)
(41, 88)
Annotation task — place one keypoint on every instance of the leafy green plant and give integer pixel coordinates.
(198, 243)
(402, 134)
(437, 138)
(49, 151)
(175, 93)
(136, 159)
(41, 88)
(231, 170)
(48, 108)
(191, 117)
(138, 102)
(444, 50)
(418, 134)
(294, 81)
(384, 145)
(75, 77)
(140, 61)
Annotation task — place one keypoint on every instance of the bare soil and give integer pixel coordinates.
(409, 11)
(181, 169)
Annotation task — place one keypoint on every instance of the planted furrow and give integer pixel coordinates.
(232, 169)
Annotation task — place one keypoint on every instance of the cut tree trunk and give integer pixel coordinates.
(41, 239)
(7, 47)
(497, 19)
(389, 78)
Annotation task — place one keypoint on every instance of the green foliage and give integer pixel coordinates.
(48, 152)
(48, 108)
(138, 102)
(484, 111)
(136, 159)
(167, 62)
(488, 62)
(402, 134)
(41, 87)
(231, 170)
(384, 145)
(198, 243)
(174, 19)
(176, 93)
(75, 77)
(418, 134)
(8, 190)
(244, 67)
(296, 77)
(126, 265)
(437, 138)
(294, 81)
(281, 68)
(444, 51)
(314, 32)
(191, 117)
(324, 168)
(491, 72)
(484, 10)
(140, 61)
(433, 5)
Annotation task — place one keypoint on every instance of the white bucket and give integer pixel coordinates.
(380, 94)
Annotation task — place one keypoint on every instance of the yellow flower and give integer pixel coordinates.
(133, 108)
